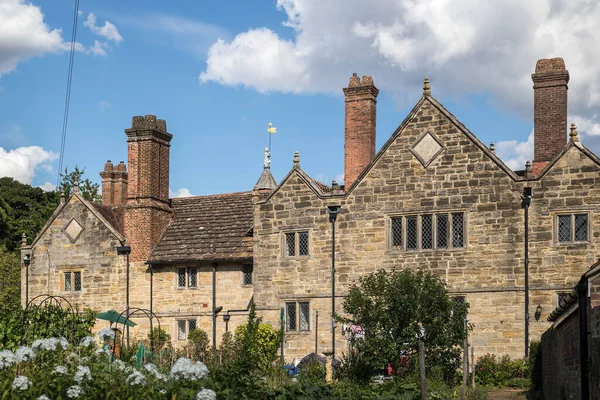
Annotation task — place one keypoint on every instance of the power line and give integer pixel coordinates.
(68, 94)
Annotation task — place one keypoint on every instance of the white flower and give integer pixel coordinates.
(185, 369)
(24, 353)
(121, 366)
(88, 341)
(82, 374)
(154, 371)
(50, 344)
(43, 397)
(7, 359)
(60, 370)
(106, 334)
(162, 391)
(21, 383)
(206, 394)
(102, 351)
(136, 378)
(74, 392)
(72, 357)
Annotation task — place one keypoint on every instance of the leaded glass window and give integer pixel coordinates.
(581, 227)
(303, 243)
(304, 316)
(458, 239)
(191, 325)
(561, 297)
(181, 277)
(67, 278)
(248, 269)
(564, 228)
(411, 233)
(442, 231)
(397, 233)
(427, 232)
(290, 316)
(193, 277)
(181, 332)
(77, 281)
(290, 244)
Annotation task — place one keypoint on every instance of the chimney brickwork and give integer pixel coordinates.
(360, 126)
(114, 184)
(148, 210)
(549, 111)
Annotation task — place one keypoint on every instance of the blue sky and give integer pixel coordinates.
(218, 72)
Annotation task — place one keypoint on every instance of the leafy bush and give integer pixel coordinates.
(519, 383)
(492, 371)
(479, 393)
(258, 341)
(159, 338)
(312, 374)
(198, 345)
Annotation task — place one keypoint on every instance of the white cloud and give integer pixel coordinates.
(514, 153)
(21, 163)
(104, 105)
(23, 34)
(48, 187)
(99, 48)
(183, 192)
(107, 31)
(464, 47)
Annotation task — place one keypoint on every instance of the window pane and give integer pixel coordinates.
(193, 277)
(291, 316)
(562, 297)
(458, 237)
(248, 270)
(290, 244)
(181, 330)
(442, 231)
(460, 300)
(397, 233)
(564, 228)
(191, 325)
(181, 277)
(304, 316)
(303, 243)
(67, 281)
(427, 232)
(411, 233)
(581, 227)
(77, 281)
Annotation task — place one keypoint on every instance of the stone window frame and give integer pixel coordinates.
(187, 278)
(296, 233)
(555, 226)
(245, 273)
(419, 214)
(297, 330)
(71, 271)
(186, 322)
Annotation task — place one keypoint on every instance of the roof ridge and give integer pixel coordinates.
(212, 195)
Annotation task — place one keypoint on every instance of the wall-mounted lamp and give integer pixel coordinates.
(538, 312)
(26, 261)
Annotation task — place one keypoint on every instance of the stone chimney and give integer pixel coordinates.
(148, 209)
(114, 184)
(361, 109)
(549, 111)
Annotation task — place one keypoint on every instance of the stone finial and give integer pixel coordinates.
(121, 167)
(296, 160)
(528, 169)
(573, 134)
(426, 87)
(267, 161)
(63, 199)
(76, 186)
(108, 166)
(23, 241)
(493, 147)
(354, 80)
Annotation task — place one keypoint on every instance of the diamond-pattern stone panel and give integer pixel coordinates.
(73, 229)
(427, 149)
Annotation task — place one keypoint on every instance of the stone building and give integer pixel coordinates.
(433, 197)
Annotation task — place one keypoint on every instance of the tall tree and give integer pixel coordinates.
(88, 189)
(10, 284)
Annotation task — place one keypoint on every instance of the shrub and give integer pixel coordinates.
(491, 371)
(261, 342)
(312, 374)
(159, 338)
(198, 345)
(519, 383)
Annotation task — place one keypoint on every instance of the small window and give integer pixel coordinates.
(411, 233)
(397, 233)
(187, 277)
(428, 232)
(459, 300)
(458, 238)
(297, 243)
(72, 281)
(572, 228)
(297, 316)
(248, 269)
(184, 327)
(442, 231)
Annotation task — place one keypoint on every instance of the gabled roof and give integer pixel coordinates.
(578, 145)
(111, 218)
(205, 228)
(266, 180)
(319, 189)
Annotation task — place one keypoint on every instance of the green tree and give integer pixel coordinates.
(10, 284)
(23, 209)
(88, 189)
(395, 308)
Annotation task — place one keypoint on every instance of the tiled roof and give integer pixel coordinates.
(214, 227)
(266, 180)
(112, 215)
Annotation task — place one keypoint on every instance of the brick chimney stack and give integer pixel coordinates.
(114, 184)
(361, 110)
(549, 111)
(148, 209)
